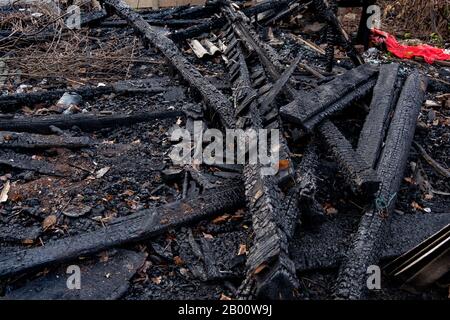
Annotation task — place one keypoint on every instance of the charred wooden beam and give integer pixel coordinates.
(310, 109)
(361, 177)
(213, 98)
(371, 234)
(33, 141)
(23, 162)
(306, 187)
(377, 121)
(270, 272)
(326, 12)
(86, 122)
(13, 102)
(141, 225)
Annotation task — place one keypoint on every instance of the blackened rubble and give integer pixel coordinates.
(362, 172)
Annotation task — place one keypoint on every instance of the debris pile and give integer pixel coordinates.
(86, 171)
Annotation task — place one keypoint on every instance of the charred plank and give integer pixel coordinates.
(23, 162)
(329, 98)
(9, 103)
(371, 233)
(86, 122)
(375, 126)
(361, 177)
(141, 225)
(33, 141)
(272, 219)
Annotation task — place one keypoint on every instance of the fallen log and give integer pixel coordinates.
(141, 225)
(23, 162)
(313, 107)
(377, 121)
(35, 141)
(86, 122)
(361, 177)
(371, 235)
(213, 98)
(13, 102)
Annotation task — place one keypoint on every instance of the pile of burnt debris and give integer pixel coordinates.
(88, 184)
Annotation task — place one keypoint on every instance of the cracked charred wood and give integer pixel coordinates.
(268, 111)
(377, 121)
(371, 234)
(268, 98)
(23, 162)
(33, 141)
(313, 107)
(331, 39)
(218, 104)
(219, 22)
(10, 103)
(360, 176)
(306, 187)
(270, 272)
(326, 12)
(141, 225)
(86, 122)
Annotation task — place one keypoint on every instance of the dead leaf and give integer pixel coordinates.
(5, 190)
(178, 261)
(329, 209)
(49, 222)
(222, 219)
(242, 250)
(416, 206)
(227, 298)
(260, 268)
(283, 164)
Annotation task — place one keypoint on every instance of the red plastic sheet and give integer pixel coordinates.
(428, 53)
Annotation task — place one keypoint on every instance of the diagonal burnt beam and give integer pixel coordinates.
(371, 234)
(313, 107)
(141, 225)
(377, 121)
(270, 272)
(360, 176)
(218, 104)
(326, 12)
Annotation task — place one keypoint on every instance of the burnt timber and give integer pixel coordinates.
(371, 233)
(142, 225)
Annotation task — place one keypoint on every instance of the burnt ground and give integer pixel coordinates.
(136, 158)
